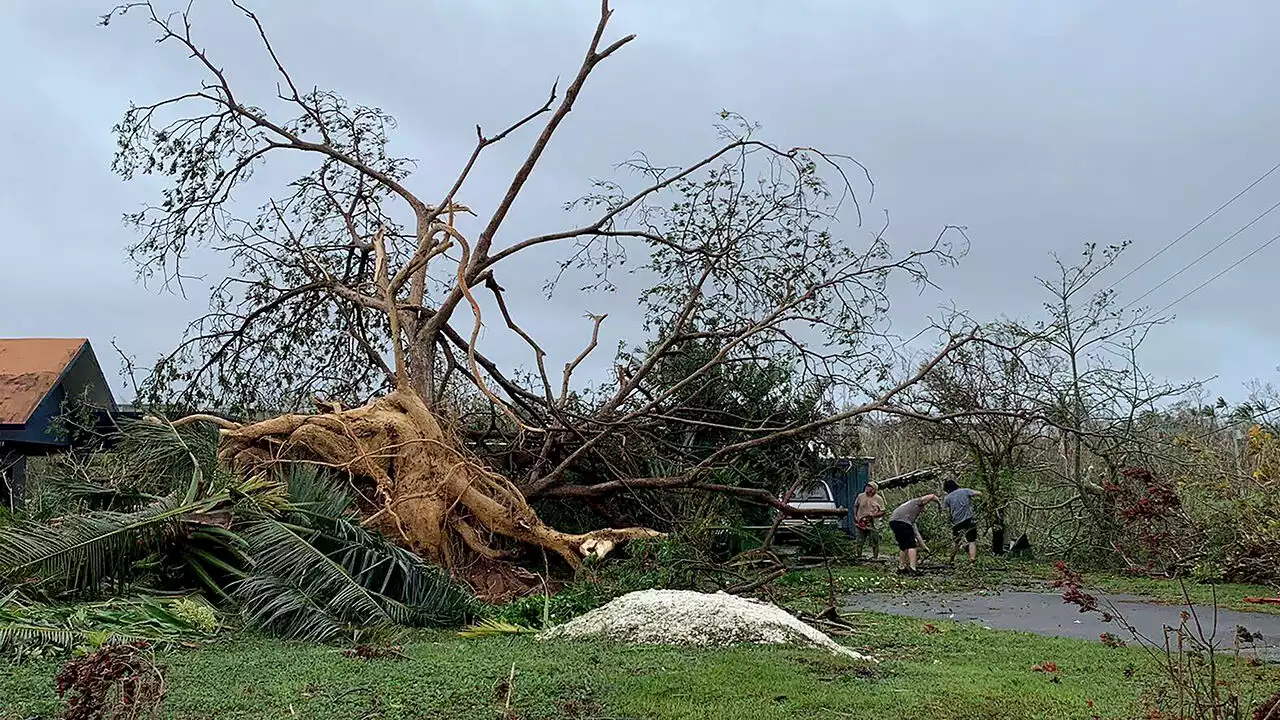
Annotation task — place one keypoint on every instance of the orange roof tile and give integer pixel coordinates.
(29, 369)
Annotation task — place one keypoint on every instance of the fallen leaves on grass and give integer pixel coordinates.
(1269, 709)
(577, 708)
(1111, 641)
(370, 652)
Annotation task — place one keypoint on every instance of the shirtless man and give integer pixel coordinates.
(868, 508)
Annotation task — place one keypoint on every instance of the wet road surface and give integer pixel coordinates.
(1044, 613)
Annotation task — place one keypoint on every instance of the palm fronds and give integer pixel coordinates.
(283, 552)
(275, 606)
(81, 552)
(317, 570)
(288, 548)
(493, 628)
(170, 459)
(313, 492)
(95, 624)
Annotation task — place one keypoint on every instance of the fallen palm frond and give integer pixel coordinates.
(168, 459)
(493, 628)
(317, 571)
(105, 623)
(287, 547)
(277, 607)
(82, 552)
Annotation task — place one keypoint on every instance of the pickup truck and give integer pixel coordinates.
(817, 495)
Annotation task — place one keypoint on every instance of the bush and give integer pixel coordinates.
(1206, 572)
(824, 540)
(542, 611)
(678, 562)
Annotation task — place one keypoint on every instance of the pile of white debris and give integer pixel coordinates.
(684, 617)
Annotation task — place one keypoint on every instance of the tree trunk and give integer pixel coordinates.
(421, 361)
(997, 534)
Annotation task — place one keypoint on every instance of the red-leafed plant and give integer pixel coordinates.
(1158, 538)
(1199, 686)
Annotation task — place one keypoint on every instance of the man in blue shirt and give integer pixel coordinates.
(964, 525)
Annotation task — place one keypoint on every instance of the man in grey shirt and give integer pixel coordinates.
(903, 524)
(964, 525)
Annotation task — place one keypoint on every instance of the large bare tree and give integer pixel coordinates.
(354, 289)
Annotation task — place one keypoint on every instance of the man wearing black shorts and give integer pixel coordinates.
(903, 524)
(964, 525)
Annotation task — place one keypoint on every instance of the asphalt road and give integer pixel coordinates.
(1045, 614)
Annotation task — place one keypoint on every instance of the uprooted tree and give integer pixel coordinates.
(353, 285)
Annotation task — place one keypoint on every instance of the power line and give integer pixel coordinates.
(1204, 255)
(1195, 227)
(1228, 269)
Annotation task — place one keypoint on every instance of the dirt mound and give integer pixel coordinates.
(683, 617)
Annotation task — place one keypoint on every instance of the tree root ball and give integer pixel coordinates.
(429, 492)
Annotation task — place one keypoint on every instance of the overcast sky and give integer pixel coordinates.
(1038, 125)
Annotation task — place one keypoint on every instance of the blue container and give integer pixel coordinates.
(848, 477)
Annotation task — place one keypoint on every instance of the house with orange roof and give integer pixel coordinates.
(39, 379)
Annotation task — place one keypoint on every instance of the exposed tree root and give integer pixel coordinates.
(429, 492)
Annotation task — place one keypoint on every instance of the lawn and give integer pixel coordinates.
(807, 589)
(951, 671)
(943, 671)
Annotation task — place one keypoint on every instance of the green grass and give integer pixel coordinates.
(808, 589)
(961, 671)
(1229, 595)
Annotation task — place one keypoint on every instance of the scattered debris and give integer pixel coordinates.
(685, 617)
(829, 622)
(119, 682)
(1111, 641)
(580, 708)
(503, 691)
(1269, 709)
(372, 652)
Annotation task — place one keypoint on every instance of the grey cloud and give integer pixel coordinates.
(1039, 126)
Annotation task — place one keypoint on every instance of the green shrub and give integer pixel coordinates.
(824, 540)
(541, 611)
(198, 614)
(1207, 572)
